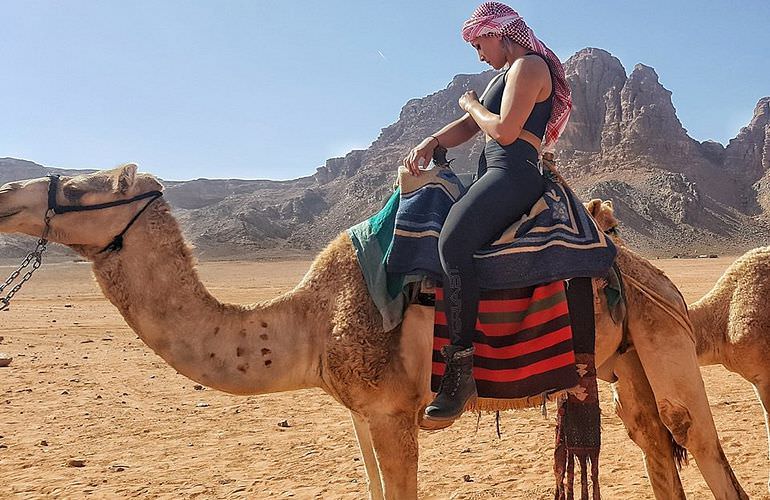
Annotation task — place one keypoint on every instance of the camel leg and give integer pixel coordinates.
(671, 365)
(762, 389)
(394, 437)
(635, 405)
(370, 461)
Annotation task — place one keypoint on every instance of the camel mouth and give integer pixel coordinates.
(10, 214)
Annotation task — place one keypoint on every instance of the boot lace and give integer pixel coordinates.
(451, 377)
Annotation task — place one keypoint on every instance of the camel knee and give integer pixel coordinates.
(642, 423)
(395, 440)
(634, 424)
(678, 420)
(644, 433)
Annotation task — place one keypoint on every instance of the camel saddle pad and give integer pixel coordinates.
(523, 346)
(558, 239)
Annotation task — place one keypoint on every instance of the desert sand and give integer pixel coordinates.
(83, 387)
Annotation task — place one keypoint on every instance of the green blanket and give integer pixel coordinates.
(372, 239)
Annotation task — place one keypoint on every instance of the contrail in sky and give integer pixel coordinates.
(382, 55)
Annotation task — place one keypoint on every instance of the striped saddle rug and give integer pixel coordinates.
(530, 350)
(524, 352)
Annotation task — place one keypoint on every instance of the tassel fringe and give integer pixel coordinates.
(492, 404)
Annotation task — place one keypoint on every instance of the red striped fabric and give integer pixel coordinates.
(512, 351)
(516, 374)
(511, 328)
(491, 304)
(523, 342)
(532, 319)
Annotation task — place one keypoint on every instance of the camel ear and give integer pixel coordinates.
(593, 206)
(609, 204)
(125, 178)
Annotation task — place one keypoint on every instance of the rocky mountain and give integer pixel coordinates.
(624, 142)
(673, 193)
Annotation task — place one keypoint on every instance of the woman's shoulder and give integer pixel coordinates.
(530, 65)
(531, 61)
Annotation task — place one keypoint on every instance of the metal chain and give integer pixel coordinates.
(35, 257)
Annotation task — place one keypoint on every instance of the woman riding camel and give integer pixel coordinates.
(523, 111)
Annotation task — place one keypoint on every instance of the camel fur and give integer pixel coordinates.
(731, 321)
(327, 333)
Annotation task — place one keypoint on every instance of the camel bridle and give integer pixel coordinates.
(117, 242)
(35, 257)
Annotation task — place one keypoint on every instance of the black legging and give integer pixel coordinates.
(503, 193)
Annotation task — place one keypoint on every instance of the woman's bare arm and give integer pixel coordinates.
(451, 135)
(523, 84)
(457, 132)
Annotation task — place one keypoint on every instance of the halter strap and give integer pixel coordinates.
(117, 242)
(53, 188)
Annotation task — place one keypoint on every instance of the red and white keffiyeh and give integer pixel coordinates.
(497, 19)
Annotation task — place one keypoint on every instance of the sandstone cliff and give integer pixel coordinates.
(623, 142)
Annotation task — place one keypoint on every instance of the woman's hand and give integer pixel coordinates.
(467, 99)
(420, 155)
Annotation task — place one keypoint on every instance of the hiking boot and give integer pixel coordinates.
(457, 385)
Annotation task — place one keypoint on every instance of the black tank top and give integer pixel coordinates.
(537, 119)
(519, 152)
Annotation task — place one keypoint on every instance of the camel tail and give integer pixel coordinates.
(680, 453)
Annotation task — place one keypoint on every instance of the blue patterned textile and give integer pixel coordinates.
(556, 240)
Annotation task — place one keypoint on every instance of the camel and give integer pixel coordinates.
(327, 333)
(731, 321)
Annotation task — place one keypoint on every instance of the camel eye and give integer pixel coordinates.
(73, 193)
(75, 189)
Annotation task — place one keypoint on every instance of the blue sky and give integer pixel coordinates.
(271, 89)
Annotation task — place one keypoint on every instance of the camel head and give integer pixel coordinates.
(24, 204)
(604, 214)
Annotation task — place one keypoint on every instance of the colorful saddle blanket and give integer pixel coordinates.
(556, 240)
(523, 346)
(525, 351)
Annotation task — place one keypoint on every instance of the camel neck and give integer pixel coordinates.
(254, 349)
(710, 319)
